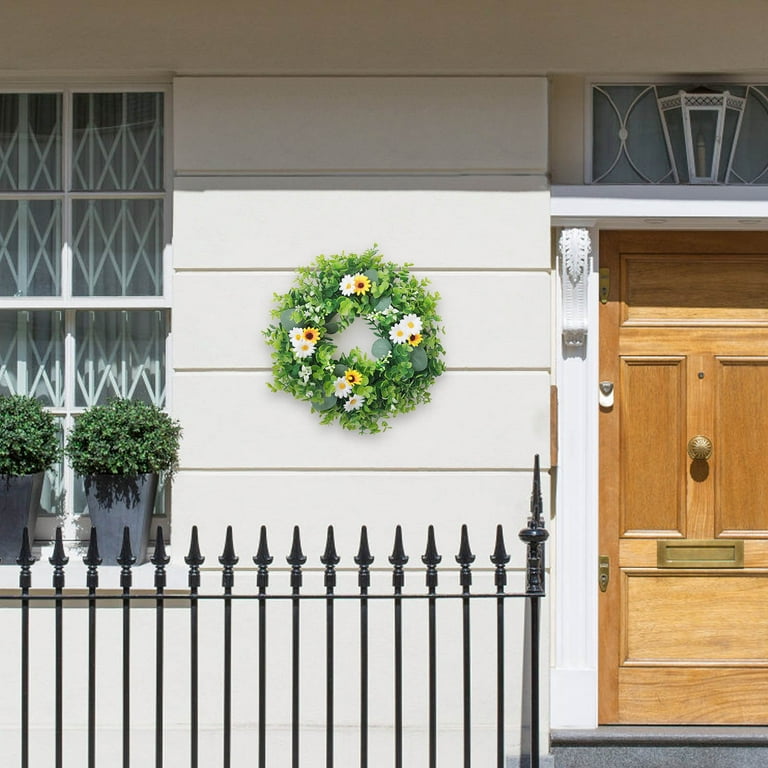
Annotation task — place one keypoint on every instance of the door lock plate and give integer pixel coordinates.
(604, 571)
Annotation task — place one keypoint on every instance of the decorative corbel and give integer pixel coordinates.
(574, 247)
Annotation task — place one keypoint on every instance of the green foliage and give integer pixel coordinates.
(124, 437)
(396, 377)
(29, 436)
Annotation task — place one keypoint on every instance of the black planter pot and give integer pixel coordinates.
(115, 501)
(19, 505)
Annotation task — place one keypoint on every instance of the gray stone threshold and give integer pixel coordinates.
(659, 735)
(661, 747)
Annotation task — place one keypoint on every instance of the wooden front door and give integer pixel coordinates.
(684, 341)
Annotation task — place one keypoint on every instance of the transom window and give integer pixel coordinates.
(84, 230)
(679, 134)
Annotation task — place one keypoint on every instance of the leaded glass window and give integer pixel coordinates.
(679, 134)
(84, 230)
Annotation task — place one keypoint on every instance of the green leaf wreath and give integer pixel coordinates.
(358, 389)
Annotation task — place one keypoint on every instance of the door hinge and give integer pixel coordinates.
(604, 571)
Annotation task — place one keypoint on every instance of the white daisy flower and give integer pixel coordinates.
(354, 403)
(341, 387)
(412, 323)
(296, 335)
(399, 333)
(305, 349)
(347, 285)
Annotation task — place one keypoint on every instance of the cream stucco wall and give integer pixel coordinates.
(447, 174)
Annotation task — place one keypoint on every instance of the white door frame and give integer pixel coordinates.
(573, 686)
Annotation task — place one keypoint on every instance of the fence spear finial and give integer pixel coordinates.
(398, 559)
(228, 559)
(431, 558)
(534, 535)
(160, 559)
(262, 559)
(500, 558)
(465, 558)
(92, 558)
(330, 559)
(25, 553)
(194, 560)
(296, 558)
(126, 557)
(363, 560)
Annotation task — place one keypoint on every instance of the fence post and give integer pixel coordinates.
(431, 558)
(534, 535)
(296, 558)
(228, 560)
(330, 559)
(500, 558)
(159, 559)
(58, 560)
(398, 559)
(93, 561)
(25, 561)
(262, 560)
(194, 560)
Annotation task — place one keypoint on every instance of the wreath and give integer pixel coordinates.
(359, 390)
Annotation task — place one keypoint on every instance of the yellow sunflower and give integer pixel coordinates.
(353, 376)
(414, 339)
(311, 335)
(362, 284)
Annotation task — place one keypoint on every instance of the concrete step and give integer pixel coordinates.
(661, 747)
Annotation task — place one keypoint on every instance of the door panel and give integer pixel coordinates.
(741, 507)
(684, 337)
(653, 404)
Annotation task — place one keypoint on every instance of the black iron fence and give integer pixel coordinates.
(191, 598)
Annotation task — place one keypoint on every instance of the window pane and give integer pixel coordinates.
(52, 497)
(117, 142)
(120, 354)
(117, 247)
(30, 247)
(32, 355)
(628, 145)
(30, 141)
(750, 162)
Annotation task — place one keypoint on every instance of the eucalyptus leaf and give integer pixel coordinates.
(383, 303)
(331, 327)
(418, 359)
(287, 321)
(372, 275)
(340, 370)
(380, 348)
(326, 404)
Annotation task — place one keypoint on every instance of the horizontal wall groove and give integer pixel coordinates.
(351, 471)
(288, 271)
(388, 173)
(449, 369)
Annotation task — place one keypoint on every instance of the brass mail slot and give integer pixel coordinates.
(697, 553)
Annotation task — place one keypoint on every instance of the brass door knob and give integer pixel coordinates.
(700, 448)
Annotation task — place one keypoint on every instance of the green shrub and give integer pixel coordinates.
(123, 437)
(29, 436)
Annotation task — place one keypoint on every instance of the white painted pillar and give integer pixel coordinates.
(574, 641)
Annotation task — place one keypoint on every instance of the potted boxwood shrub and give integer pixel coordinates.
(120, 449)
(29, 445)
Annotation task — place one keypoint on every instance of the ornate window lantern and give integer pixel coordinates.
(701, 128)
